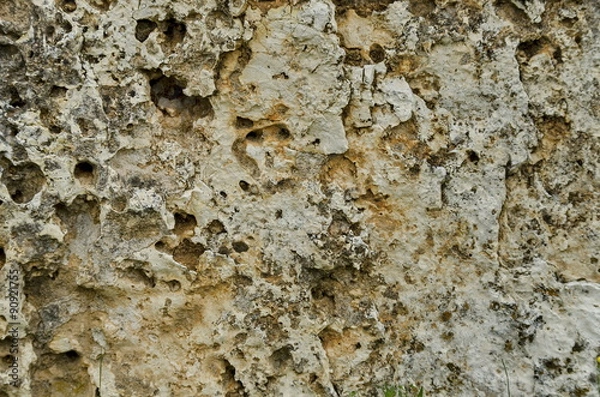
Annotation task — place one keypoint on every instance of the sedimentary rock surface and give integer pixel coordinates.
(299, 198)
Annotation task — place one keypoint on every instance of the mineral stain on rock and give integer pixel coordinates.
(299, 198)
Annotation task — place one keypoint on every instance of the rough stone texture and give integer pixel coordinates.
(307, 198)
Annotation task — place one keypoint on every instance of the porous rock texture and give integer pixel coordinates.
(301, 198)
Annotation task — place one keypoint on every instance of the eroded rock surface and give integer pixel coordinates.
(300, 198)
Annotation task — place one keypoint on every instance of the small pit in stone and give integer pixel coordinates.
(241, 123)
(143, 28)
(162, 247)
(85, 172)
(421, 8)
(473, 156)
(283, 134)
(363, 8)
(377, 53)
(174, 31)
(245, 186)
(216, 227)
(240, 246)
(67, 6)
(2, 257)
(184, 223)
(254, 136)
(167, 94)
(23, 181)
(72, 355)
(187, 253)
(174, 285)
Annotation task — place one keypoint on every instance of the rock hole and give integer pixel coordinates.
(15, 99)
(557, 55)
(363, 8)
(377, 53)
(223, 250)
(353, 57)
(67, 6)
(228, 378)
(162, 247)
(187, 253)
(223, 194)
(67, 27)
(254, 136)
(175, 31)
(138, 275)
(241, 123)
(143, 28)
(528, 49)
(281, 357)
(174, 285)
(240, 246)
(58, 92)
(473, 156)
(72, 355)
(119, 203)
(283, 134)
(506, 9)
(102, 5)
(421, 8)
(184, 223)
(85, 172)
(446, 316)
(23, 181)
(245, 186)
(2, 257)
(216, 227)
(167, 94)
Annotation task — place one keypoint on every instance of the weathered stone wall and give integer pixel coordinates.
(265, 198)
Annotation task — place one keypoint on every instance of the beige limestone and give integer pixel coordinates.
(300, 198)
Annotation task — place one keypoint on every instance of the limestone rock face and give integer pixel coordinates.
(299, 197)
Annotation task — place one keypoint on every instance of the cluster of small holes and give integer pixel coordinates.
(277, 132)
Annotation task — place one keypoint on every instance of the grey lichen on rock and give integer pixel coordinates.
(299, 197)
